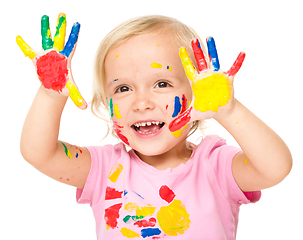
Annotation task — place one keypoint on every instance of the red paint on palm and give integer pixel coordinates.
(52, 70)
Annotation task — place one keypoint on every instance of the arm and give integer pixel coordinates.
(39, 140)
(265, 160)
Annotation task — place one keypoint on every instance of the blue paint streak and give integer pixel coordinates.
(148, 232)
(177, 107)
(77, 155)
(212, 51)
(139, 195)
(125, 192)
(72, 39)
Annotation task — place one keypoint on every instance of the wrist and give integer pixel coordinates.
(223, 116)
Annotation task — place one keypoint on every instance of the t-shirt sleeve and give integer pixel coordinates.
(221, 157)
(101, 160)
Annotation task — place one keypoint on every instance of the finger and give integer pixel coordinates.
(237, 65)
(181, 120)
(213, 55)
(72, 40)
(75, 95)
(199, 55)
(27, 50)
(59, 38)
(47, 41)
(187, 64)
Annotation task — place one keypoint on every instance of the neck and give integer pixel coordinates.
(170, 159)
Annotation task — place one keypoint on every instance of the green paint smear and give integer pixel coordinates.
(111, 107)
(47, 41)
(62, 20)
(65, 149)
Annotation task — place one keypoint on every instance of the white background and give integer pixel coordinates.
(33, 206)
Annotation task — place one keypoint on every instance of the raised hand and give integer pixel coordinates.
(53, 62)
(212, 88)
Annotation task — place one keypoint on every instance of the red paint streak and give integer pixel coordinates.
(118, 132)
(112, 214)
(184, 104)
(52, 70)
(237, 65)
(78, 149)
(166, 107)
(167, 194)
(112, 193)
(180, 121)
(199, 56)
(144, 223)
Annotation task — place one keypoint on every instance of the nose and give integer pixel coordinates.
(143, 101)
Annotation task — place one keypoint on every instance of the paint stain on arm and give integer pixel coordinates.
(67, 151)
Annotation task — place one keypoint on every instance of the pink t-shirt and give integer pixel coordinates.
(196, 200)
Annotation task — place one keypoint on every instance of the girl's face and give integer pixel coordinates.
(146, 89)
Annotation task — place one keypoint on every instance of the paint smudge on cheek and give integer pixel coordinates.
(115, 172)
(173, 219)
(52, 70)
(117, 130)
(111, 215)
(179, 133)
(177, 107)
(117, 112)
(110, 107)
(184, 104)
(180, 121)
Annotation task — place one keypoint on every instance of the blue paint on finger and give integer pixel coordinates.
(213, 55)
(72, 39)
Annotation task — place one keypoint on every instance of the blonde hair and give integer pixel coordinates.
(178, 31)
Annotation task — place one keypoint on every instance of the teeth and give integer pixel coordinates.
(143, 124)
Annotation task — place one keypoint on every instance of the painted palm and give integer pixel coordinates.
(53, 62)
(212, 88)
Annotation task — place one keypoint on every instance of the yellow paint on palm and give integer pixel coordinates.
(117, 112)
(187, 64)
(128, 233)
(115, 172)
(211, 92)
(26, 49)
(74, 94)
(59, 38)
(173, 219)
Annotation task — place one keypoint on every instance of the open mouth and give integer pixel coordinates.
(148, 127)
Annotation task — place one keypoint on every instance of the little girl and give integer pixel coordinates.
(164, 187)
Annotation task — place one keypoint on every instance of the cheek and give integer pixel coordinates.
(179, 105)
(114, 109)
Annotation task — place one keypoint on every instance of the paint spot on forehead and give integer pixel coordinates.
(156, 65)
(116, 56)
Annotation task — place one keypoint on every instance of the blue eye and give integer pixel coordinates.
(163, 84)
(122, 89)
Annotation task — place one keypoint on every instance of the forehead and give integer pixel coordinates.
(144, 50)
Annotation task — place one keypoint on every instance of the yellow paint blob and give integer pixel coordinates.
(211, 92)
(156, 65)
(117, 113)
(246, 161)
(74, 94)
(26, 49)
(117, 56)
(115, 172)
(178, 133)
(173, 219)
(128, 233)
(145, 211)
(187, 64)
(131, 207)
